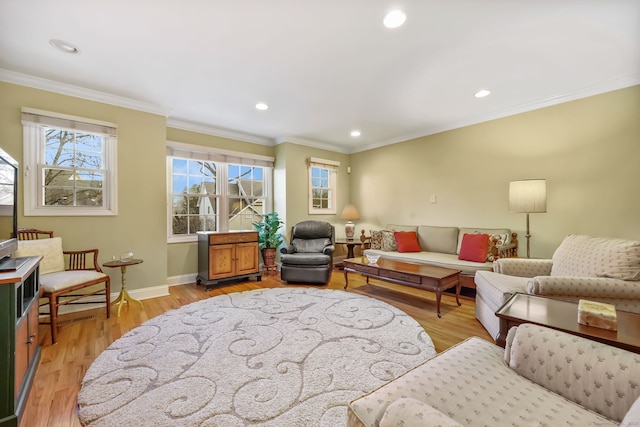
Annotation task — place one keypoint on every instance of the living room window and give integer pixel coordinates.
(215, 190)
(322, 186)
(69, 165)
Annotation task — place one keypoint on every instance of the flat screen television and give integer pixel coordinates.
(8, 211)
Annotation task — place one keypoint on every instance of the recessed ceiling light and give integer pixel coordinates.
(482, 93)
(63, 46)
(355, 133)
(394, 19)
(262, 106)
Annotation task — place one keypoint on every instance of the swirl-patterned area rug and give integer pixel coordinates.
(270, 357)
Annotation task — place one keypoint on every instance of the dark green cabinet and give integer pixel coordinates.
(19, 348)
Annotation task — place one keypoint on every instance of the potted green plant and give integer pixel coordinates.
(268, 237)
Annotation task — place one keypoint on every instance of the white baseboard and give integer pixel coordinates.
(183, 279)
(139, 294)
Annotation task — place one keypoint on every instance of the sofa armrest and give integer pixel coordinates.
(588, 287)
(523, 267)
(409, 412)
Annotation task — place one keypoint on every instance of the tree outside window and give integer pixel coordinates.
(322, 186)
(200, 202)
(74, 168)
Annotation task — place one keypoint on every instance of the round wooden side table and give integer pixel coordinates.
(124, 295)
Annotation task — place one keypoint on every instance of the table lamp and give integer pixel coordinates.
(528, 196)
(349, 213)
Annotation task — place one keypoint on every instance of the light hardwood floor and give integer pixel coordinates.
(83, 336)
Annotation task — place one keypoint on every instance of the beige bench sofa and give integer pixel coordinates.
(542, 378)
(583, 267)
(440, 246)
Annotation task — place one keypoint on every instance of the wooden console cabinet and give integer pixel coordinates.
(227, 256)
(19, 347)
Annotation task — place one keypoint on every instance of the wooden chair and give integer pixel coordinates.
(33, 234)
(63, 272)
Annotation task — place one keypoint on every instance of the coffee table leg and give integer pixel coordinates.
(458, 288)
(438, 297)
(346, 278)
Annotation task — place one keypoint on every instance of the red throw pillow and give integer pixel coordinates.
(407, 241)
(474, 247)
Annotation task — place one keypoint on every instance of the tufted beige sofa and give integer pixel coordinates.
(583, 267)
(542, 378)
(441, 246)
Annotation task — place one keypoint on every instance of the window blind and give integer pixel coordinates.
(32, 117)
(196, 152)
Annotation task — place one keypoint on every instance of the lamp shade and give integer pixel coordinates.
(529, 196)
(349, 213)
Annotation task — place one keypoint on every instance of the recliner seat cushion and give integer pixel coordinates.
(302, 258)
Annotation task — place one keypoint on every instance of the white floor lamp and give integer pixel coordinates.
(528, 196)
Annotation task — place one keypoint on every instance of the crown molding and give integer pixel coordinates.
(80, 92)
(312, 143)
(560, 98)
(214, 131)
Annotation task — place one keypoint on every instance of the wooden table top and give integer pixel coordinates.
(404, 267)
(122, 263)
(563, 316)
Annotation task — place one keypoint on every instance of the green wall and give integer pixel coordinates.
(587, 150)
(140, 223)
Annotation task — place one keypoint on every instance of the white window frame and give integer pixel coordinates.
(222, 158)
(332, 167)
(34, 122)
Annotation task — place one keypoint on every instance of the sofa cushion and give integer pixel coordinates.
(438, 239)
(407, 241)
(597, 376)
(50, 249)
(437, 259)
(409, 412)
(495, 288)
(388, 241)
(398, 227)
(588, 256)
(474, 247)
(505, 233)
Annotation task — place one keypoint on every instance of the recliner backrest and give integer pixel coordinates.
(311, 236)
(312, 230)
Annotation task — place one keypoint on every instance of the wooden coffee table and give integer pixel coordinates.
(563, 316)
(421, 276)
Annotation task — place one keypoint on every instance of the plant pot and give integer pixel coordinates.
(269, 257)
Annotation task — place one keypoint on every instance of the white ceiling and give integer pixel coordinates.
(325, 67)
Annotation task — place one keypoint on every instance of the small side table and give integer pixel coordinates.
(350, 244)
(124, 295)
